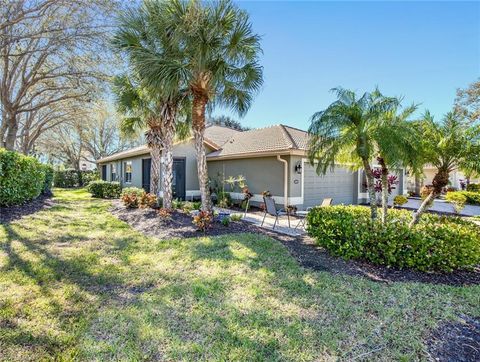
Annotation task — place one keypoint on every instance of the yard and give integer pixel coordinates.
(77, 283)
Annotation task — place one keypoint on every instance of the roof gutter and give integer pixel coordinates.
(285, 180)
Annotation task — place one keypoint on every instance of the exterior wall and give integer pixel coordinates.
(262, 173)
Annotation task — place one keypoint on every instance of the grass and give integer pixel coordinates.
(76, 283)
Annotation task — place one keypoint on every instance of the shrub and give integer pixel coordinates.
(67, 178)
(436, 243)
(131, 196)
(473, 187)
(164, 213)
(400, 200)
(148, 200)
(226, 221)
(47, 185)
(177, 204)
(104, 189)
(224, 199)
(22, 178)
(458, 199)
(473, 198)
(88, 176)
(235, 217)
(197, 205)
(203, 220)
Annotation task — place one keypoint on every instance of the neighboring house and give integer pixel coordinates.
(272, 158)
(415, 184)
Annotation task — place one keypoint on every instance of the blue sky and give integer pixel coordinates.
(423, 51)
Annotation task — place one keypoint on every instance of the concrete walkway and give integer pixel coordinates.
(257, 217)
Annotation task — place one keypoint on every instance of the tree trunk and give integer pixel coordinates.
(167, 167)
(198, 125)
(440, 180)
(371, 189)
(154, 141)
(11, 136)
(156, 152)
(384, 180)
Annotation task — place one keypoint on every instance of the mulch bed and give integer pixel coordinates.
(302, 248)
(456, 341)
(9, 214)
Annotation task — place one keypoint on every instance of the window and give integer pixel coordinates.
(113, 172)
(128, 171)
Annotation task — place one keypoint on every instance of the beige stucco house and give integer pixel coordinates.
(272, 158)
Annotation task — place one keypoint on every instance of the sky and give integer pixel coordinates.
(422, 51)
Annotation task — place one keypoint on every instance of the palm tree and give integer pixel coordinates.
(344, 132)
(145, 109)
(447, 145)
(208, 48)
(397, 144)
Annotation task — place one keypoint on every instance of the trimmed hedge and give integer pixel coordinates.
(473, 198)
(437, 243)
(67, 178)
(47, 186)
(22, 178)
(104, 189)
(88, 176)
(473, 187)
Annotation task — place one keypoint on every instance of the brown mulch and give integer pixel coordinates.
(456, 341)
(302, 248)
(11, 213)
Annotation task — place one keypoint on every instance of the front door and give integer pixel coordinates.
(104, 172)
(178, 182)
(146, 166)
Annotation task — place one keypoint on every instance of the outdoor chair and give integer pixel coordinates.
(303, 214)
(271, 209)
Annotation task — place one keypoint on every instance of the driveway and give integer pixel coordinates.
(443, 207)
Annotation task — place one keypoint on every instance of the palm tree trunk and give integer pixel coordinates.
(384, 181)
(371, 189)
(440, 180)
(154, 141)
(198, 125)
(167, 174)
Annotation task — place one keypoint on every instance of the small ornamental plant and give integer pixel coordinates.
(266, 193)
(148, 200)
(130, 200)
(203, 221)
(164, 213)
(399, 200)
(226, 221)
(291, 209)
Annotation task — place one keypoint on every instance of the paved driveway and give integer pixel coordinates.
(444, 207)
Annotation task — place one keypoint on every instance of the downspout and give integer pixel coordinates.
(285, 181)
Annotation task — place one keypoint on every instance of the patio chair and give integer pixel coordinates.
(303, 214)
(271, 209)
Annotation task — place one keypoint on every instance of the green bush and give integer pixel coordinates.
(88, 176)
(437, 243)
(473, 187)
(67, 178)
(458, 200)
(473, 198)
(22, 178)
(224, 199)
(47, 185)
(104, 189)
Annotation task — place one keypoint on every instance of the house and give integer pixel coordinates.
(272, 158)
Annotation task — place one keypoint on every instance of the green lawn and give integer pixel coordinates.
(76, 283)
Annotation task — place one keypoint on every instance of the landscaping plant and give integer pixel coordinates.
(203, 220)
(399, 200)
(148, 200)
(457, 199)
(22, 178)
(104, 189)
(164, 213)
(437, 243)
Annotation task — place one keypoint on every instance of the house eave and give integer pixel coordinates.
(287, 152)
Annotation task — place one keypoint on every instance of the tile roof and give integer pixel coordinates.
(215, 135)
(269, 139)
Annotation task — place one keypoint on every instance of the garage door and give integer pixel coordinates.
(337, 184)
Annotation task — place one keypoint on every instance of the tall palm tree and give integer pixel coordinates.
(447, 145)
(397, 144)
(145, 109)
(210, 49)
(344, 132)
